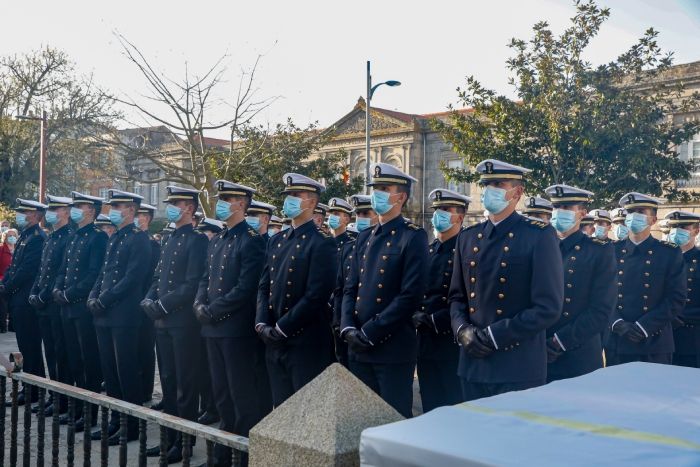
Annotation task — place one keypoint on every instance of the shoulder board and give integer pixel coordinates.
(536, 223)
(413, 226)
(324, 234)
(600, 241)
(474, 226)
(252, 232)
(668, 244)
(136, 230)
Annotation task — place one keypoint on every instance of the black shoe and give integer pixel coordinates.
(97, 434)
(130, 436)
(35, 408)
(174, 455)
(158, 405)
(20, 400)
(153, 451)
(208, 418)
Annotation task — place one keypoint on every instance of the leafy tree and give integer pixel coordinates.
(603, 128)
(261, 156)
(77, 111)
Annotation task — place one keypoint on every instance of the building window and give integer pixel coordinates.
(154, 194)
(138, 188)
(459, 187)
(102, 193)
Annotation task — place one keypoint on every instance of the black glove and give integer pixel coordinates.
(152, 309)
(269, 334)
(32, 300)
(202, 313)
(95, 306)
(36, 302)
(357, 341)
(678, 322)
(59, 297)
(628, 330)
(468, 336)
(554, 350)
(422, 319)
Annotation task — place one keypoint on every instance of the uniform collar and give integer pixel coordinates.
(62, 230)
(305, 227)
(237, 229)
(183, 229)
(504, 226)
(29, 230)
(631, 246)
(449, 244)
(573, 239)
(392, 224)
(89, 226)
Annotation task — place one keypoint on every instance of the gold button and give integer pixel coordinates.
(503, 264)
(577, 248)
(573, 258)
(646, 274)
(475, 249)
(472, 310)
(503, 280)
(645, 308)
(648, 262)
(499, 312)
(472, 280)
(620, 272)
(381, 271)
(506, 249)
(650, 252)
(571, 271)
(479, 235)
(619, 307)
(472, 295)
(472, 263)
(379, 300)
(510, 235)
(619, 295)
(388, 243)
(622, 260)
(501, 296)
(646, 286)
(566, 313)
(567, 300)
(569, 285)
(384, 257)
(380, 285)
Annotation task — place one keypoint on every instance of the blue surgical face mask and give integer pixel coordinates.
(494, 199)
(116, 217)
(362, 223)
(21, 219)
(223, 210)
(563, 220)
(442, 220)
(12, 240)
(333, 221)
(76, 215)
(600, 232)
(137, 222)
(271, 231)
(380, 202)
(679, 236)
(253, 222)
(4, 229)
(636, 222)
(621, 231)
(51, 217)
(292, 206)
(173, 213)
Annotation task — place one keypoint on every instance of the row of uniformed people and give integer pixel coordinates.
(371, 290)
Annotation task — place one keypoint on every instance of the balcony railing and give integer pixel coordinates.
(189, 430)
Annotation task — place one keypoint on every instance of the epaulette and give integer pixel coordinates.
(600, 241)
(252, 232)
(324, 234)
(413, 226)
(536, 223)
(135, 229)
(668, 244)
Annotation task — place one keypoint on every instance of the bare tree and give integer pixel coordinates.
(181, 113)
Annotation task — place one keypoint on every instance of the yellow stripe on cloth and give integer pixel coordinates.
(593, 428)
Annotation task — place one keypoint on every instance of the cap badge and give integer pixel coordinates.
(630, 199)
(377, 171)
(560, 191)
(489, 167)
(438, 195)
(289, 180)
(532, 201)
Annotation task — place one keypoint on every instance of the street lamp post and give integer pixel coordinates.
(370, 92)
(42, 150)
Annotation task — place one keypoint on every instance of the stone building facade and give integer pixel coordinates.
(408, 142)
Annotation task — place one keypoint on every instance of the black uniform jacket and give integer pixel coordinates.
(652, 290)
(229, 284)
(51, 259)
(386, 282)
(687, 336)
(177, 276)
(24, 267)
(507, 278)
(296, 284)
(81, 265)
(121, 279)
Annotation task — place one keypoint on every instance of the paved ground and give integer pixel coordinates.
(8, 344)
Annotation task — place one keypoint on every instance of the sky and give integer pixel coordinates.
(314, 53)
